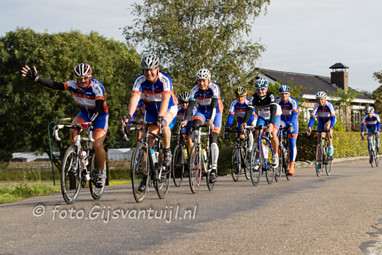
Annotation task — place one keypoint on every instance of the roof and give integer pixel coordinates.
(311, 83)
(338, 66)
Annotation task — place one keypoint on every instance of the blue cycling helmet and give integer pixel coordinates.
(284, 88)
(261, 83)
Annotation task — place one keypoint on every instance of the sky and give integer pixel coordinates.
(300, 36)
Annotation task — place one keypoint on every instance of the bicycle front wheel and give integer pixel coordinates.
(256, 165)
(138, 172)
(195, 168)
(178, 165)
(162, 181)
(235, 164)
(94, 170)
(70, 175)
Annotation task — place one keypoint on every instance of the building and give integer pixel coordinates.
(351, 115)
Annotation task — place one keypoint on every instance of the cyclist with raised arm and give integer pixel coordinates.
(268, 113)
(289, 118)
(210, 109)
(89, 94)
(372, 122)
(156, 91)
(325, 113)
(239, 106)
(183, 99)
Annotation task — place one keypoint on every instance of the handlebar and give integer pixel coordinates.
(85, 125)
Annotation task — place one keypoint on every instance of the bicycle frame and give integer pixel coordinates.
(258, 160)
(75, 169)
(322, 159)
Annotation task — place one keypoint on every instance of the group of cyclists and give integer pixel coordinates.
(152, 92)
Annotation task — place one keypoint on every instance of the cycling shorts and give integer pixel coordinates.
(100, 125)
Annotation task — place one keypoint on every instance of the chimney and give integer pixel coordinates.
(340, 76)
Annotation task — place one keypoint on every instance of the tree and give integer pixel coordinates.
(342, 103)
(28, 107)
(377, 94)
(189, 35)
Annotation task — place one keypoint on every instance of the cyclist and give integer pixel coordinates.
(239, 106)
(268, 113)
(324, 111)
(289, 117)
(155, 90)
(89, 94)
(373, 124)
(183, 99)
(210, 109)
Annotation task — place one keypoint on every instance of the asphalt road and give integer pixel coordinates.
(337, 214)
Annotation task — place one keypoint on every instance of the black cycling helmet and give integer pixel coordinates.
(240, 91)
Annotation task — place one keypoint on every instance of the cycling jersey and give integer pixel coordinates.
(152, 93)
(323, 114)
(239, 110)
(86, 98)
(181, 115)
(289, 109)
(372, 123)
(204, 98)
(266, 106)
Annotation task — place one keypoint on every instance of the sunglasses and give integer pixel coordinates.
(260, 89)
(83, 77)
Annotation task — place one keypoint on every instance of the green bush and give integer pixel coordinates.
(346, 144)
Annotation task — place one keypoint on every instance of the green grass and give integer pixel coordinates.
(19, 183)
(12, 193)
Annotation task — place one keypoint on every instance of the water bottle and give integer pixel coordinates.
(204, 157)
(154, 156)
(185, 153)
(266, 150)
(84, 158)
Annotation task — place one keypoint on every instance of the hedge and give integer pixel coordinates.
(346, 144)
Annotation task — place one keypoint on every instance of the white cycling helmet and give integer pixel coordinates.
(369, 109)
(82, 70)
(321, 94)
(203, 74)
(184, 97)
(150, 61)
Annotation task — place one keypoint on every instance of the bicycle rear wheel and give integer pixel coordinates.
(94, 170)
(319, 161)
(195, 168)
(328, 166)
(281, 164)
(270, 171)
(178, 165)
(235, 164)
(256, 165)
(138, 171)
(245, 164)
(210, 184)
(70, 175)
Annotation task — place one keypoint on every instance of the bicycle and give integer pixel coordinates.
(148, 163)
(200, 161)
(240, 154)
(180, 157)
(283, 154)
(260, 160)
(322, 158)
(374, 158)
(79, 164)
